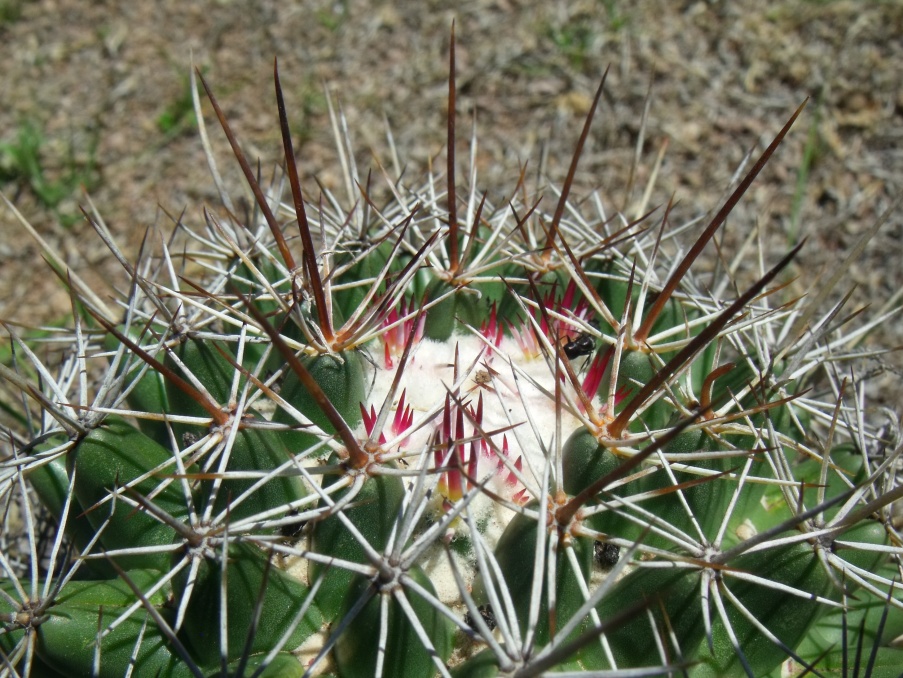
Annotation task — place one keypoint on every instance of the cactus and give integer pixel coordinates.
(439, 437)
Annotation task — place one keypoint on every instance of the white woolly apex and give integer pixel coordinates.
(518, 416)
(509, 437)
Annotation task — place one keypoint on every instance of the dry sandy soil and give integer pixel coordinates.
(103, 86)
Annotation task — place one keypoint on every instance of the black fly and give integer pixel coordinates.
(292, 531)
(584, 344)
(606, 554)
(486, 613)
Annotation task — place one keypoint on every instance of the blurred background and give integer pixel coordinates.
(96, 96)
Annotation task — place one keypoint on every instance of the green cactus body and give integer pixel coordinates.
(283, 665)
(404, 653)
(636, 369)
(149, 395)
(251, 449)
(50, 481)
(249, 582)
(885, 664)
(787, 616)
(854, 627)
(846, 469)
(342, 380)
(368, 266)
(66, 640)
(515, 551)
(585, 461)
(452, 312)
(708, 500)
(146, 387)
(246, 281)
(871, 532)
(258, 450)
(376, 507)
(113, 456)
(482, 665)
(210, 368)
(673, 597)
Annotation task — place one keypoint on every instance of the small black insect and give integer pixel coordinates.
(486, 613)
(606, 554)
(584, 344)
(292, 531)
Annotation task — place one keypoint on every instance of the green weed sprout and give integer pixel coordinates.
(21, 164)
(434, 436)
